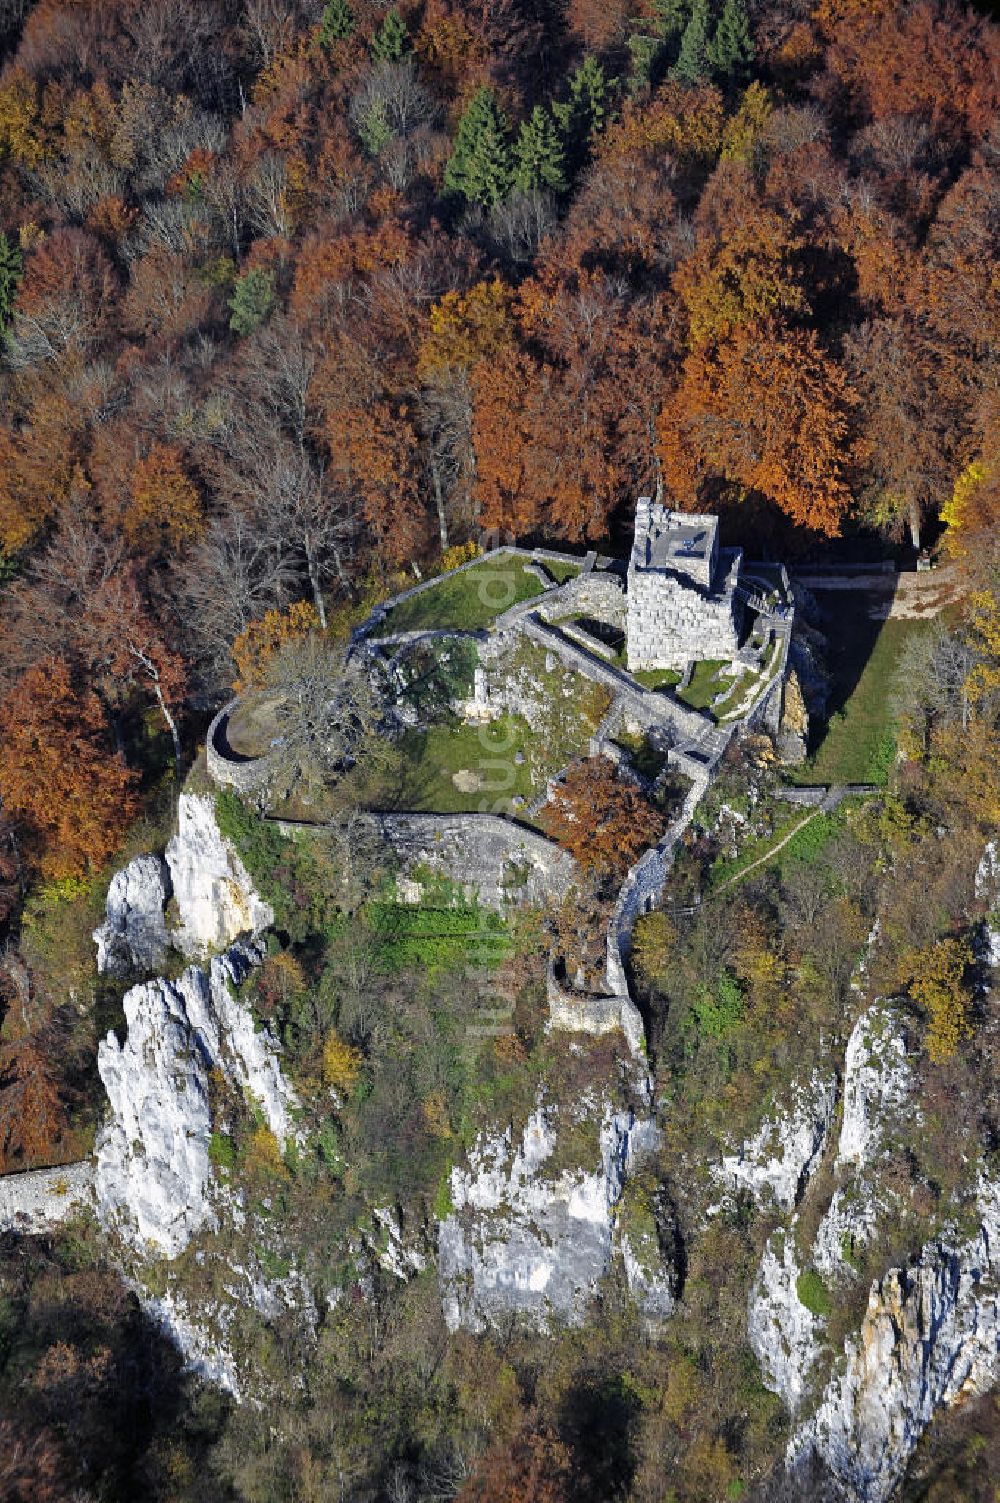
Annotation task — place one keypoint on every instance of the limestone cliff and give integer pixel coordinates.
(931, 1331)
(133, 937)
(154, 1176)
(931, 1334)
(522, 1241)
(777, 1161)
(216, 900)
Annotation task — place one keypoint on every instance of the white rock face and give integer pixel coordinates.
(877, 1080)
(988, 889)
(202, 1351)
(518, 1243)
(153, 1171)
(133, 937)
(784, 1335)
(392, 1250)
(931, 1334)
(849, 1223)
(215, 897)
(651, 1281)
(778, 1160)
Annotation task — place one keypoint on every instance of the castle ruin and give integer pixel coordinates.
(682, 601)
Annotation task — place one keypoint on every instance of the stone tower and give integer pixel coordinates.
(682, 601)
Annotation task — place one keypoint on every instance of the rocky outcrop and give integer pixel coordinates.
(204, 1353)
(777, 1161)
(877, 1081)
(153, 1170)
(988, 891)
(931, 1334)
(782, 1331)
(133, 938)
(652, 1279)
(216, 900)
(524, 1243)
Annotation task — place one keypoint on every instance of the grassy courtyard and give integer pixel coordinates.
(707, 681)
(657, 678)
(451, 768)
(466, 599)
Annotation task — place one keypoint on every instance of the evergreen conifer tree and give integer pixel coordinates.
(392, 39)
(670, 17)
(538, 154)
(337, 22)
(585, 113)
(731, 49)
(10, 276)
(692, 60)
(252, 301)
(480, 165)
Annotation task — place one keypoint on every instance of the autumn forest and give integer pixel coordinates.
(299, 299)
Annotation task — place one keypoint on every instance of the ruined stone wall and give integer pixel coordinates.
(226, 770)
(493, 858)
(37, 1200)
(572, 1011)
(599, 594)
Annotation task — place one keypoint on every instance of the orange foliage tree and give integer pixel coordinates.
(601, 817)
(59, 775)
(254, 648)
(534, 1467)
(768, 412)
(165, 510)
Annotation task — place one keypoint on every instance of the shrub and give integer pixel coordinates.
(341, 1063)
(221, 1150)
(813, 1293)
(938, 986)
(720, 1011)
(262, 1156)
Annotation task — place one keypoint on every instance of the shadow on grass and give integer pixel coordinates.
(856, 742)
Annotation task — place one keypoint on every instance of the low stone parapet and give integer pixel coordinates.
(572, 1011)
(40, 1199)
(225, 767)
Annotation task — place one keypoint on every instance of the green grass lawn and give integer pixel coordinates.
(485, 758)
(707, 681)
(485, 752)
(858, 743)
(657, 678)
(560, 571)
(466, 599)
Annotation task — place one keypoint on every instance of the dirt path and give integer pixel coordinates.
(767, 856)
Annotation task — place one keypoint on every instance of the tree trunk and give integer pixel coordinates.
(171, 726)
(438, 500)
(913, 518)
(314, 581)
